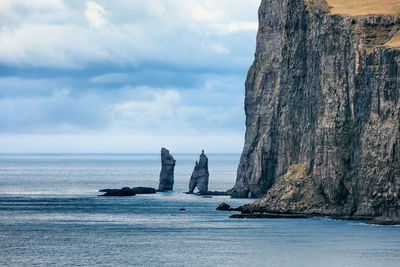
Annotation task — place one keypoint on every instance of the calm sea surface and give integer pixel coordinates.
(50, 216)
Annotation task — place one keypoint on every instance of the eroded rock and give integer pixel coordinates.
(200, 175)
(167, 171)
(224, 206)
(294, 192)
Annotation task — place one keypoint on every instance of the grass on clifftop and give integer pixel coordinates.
(395, 42)
(364, 7)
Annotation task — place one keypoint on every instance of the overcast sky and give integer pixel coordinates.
(124, 76)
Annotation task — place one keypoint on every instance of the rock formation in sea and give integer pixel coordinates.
(200, 175)
(144, 190)
(224, 206)
(167, 171)
(127, 191)
(323, 110)
(123, 192)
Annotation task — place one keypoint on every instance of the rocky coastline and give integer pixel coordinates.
(323, 113)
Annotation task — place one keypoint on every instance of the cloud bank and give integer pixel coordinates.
(141, 70)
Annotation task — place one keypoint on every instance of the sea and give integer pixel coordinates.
(51, 215)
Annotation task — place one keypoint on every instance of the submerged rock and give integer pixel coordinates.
(269, 216)
(224, 206)
(124, 192)
(127, 191)
(167, 171)
(144, 190)
(214, 193)
(200, 175)
(385, 221)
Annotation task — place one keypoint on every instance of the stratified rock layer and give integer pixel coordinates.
(323, 92)
(167, 171)
(200, 175)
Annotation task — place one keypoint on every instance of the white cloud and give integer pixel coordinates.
(82, 72)
(47, 106)
(95, 15)
(51, 45)
(218, 48)
(111, 78)
(204, 14)
(8, 6)
(236, 26)
(145, 114)
(54, 34)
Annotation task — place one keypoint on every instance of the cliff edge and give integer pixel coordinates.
(322, 109)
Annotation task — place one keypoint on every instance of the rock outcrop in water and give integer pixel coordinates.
(200, 175)
(127, 191)
(225, 207)
(123, 192)
(323, 112)
(144, 190)
(167, 171)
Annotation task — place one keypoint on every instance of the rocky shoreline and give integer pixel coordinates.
(365, 219)
(246, 213)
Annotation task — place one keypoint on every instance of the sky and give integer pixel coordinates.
(124, 76)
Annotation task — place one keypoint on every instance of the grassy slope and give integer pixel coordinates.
(395, 42)
(364, 7)
(367, 7)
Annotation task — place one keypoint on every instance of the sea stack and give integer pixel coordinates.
(200, 175)
(167, 171)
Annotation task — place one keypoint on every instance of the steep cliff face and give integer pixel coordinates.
(323, 92)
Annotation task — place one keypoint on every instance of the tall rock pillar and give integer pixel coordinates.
(167, 171)
(200, 175)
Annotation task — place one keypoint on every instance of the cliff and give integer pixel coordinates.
(323, 95)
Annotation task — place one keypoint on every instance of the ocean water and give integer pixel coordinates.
(50, 215)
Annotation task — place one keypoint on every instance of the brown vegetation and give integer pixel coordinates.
(395, 42)
(364, 7)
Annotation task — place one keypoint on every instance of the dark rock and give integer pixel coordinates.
(200, 175)
(247, 209)
(384, 221)
(269, 216)
(214, 193)
(352, 218)
(144, 190)
(366, 219)
(323, 94)
(294, 192)
(224, 206)
(124, 192)
(167, 171)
